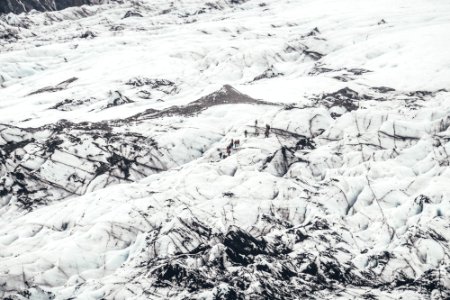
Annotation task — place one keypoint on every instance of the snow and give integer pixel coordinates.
(111, 181)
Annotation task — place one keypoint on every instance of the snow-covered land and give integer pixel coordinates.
(20, 6)
(114, 124)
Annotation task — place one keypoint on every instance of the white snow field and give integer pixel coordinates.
(115, 181)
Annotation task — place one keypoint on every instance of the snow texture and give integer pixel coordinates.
(115, 121)
(20, 6)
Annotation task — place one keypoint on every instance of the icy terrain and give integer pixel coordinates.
(115, 181)
(20, 6)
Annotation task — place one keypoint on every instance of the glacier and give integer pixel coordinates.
(115, 182)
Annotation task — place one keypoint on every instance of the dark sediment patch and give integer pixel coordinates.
(51, 89)
(345, 98)
(226, 95)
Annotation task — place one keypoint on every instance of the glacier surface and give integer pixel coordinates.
(115, 182)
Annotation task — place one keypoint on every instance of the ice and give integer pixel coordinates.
(114, 124)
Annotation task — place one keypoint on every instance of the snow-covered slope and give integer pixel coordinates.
(20, 6)
(115, 181)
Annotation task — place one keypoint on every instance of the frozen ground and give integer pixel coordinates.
(113, 118)
(20, 6)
